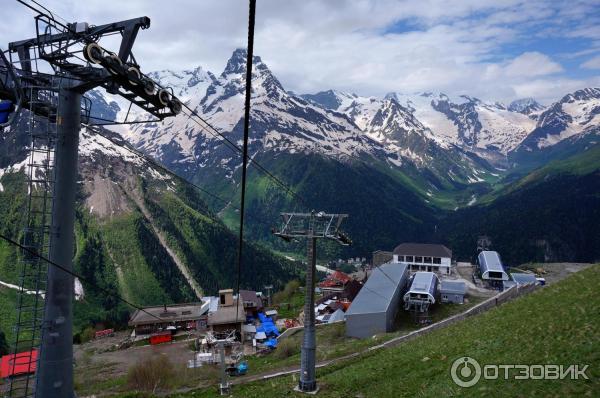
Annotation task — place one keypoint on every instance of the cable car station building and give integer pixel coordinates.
(424, 257)
(491, 268)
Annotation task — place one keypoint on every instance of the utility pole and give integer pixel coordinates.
(483, 243)
(311, 226)
(269, 287)
(224, 386)
(62, 46)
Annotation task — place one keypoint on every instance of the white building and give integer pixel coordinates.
(424, 257)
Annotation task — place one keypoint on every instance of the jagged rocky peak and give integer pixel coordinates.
(199, 75)
(393, 118)
(525, 106)
(391, 96)
(185, 83)
(328, 99)
(237, 63)
(584, 94)
(576, 115)
(235, 73)
(102, 107)
(331, 99)
(473, 100)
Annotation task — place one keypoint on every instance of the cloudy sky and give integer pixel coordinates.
(495, 50)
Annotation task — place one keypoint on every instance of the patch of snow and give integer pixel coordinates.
(472, 201)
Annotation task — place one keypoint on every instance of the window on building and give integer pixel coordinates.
(495, 275)
(409, 259)
(437, 260)
(222, 299)
(418, 259)
(401, 258)
(427, 260)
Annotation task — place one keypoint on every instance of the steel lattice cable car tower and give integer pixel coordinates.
(311, 226)
(79, 64)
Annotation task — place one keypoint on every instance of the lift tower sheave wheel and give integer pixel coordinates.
(163, 97)
(149, 86)
(134, 75)
(93, 53)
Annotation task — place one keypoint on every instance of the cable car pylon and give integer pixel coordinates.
(79, 63)
(311, 226)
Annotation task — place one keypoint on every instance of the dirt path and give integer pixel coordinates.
(555, 272)
(15, 287)
(465, 273)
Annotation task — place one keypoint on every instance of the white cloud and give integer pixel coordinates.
(366, 46)
(532, 64)
(593, 63)
(539, 88)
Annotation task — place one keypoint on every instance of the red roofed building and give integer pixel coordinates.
(335, 282)
(25, 362)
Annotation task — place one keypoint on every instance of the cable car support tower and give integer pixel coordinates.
(311, 226)
(56, 107)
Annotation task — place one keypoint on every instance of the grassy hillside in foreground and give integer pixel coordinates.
(558, 325)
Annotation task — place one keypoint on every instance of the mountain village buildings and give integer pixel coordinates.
(374, 308)
(424, 257)
(190, 316)
(453, 291)
(491, 268)
(422, 293)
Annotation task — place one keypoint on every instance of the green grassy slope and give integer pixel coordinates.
(558, 325)
(210, 249)
(528, 160)
(123, 253)
(581, 163)
(383, 209)
(551, 215)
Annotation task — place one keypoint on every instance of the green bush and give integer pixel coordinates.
(87, 334)
(151, 374)
(288, 291)
(286, 348)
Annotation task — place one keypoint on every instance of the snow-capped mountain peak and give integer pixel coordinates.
(186, 83)
(427, 129)
(574, 115)
(526, 106)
